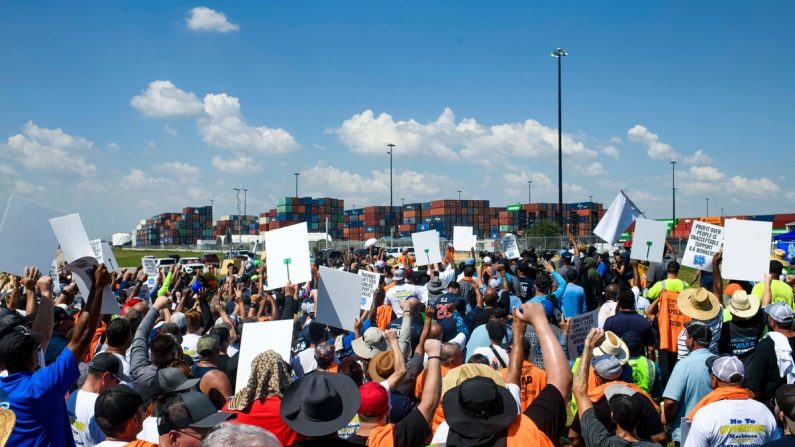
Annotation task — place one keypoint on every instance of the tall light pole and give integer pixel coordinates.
(673, 193)
(237, 194)
(296, 174)
(707, 206)
(722, 213)
(391, 218)
(402, 202)
(245, 202)
(458, 218)
(559, 53)
(529, 191)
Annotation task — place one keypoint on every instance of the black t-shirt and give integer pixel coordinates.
(525, 288)
(740, 337)
(648, 425)
(763, 376)
(411, 431)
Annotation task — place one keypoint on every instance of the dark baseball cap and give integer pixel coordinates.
(117, 405)
(171, 381)
(16, 342)
(199, 413)
(699, 331)
(107, 362)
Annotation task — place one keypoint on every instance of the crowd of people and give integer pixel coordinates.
(471, 353)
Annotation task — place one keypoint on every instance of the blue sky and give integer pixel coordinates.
(126, 109)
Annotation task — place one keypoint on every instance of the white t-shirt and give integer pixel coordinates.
(149, 430)
(189, 346)
(85, 430)
(606, 310)
(112, 444)
(490, 355)
(399, 292)
(738, 423)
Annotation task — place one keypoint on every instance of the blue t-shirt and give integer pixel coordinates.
(688, 384)
(37, 399)
(573, 301)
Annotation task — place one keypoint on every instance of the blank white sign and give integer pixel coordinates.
(648, 241)
(463, 239)
(288, 256)
(338, 298)
(426, 247)
(26, 237)
(258, 338)
(746, 249)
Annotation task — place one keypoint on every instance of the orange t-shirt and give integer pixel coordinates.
(670, 320)
(532, 380)
(438, 415)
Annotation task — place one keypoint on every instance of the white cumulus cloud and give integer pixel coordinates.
(203, 18)
(757, 187)
(178, 168)
(705, 173)
(50, 150)
(238, 165)
(594, 169)
(655, 148)
(223, 126)
(449, 138)
(699, 157)
(610, 151)
(163, 99)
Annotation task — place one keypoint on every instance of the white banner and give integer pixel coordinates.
(705, 240)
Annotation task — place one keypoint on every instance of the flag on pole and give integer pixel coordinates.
(619, 216)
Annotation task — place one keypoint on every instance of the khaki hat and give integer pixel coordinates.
(613, 345)
(7, 421)
(371, 343)
(381, 366)
(459, 374)
(699, 304)
(743, 305)
(778, 255)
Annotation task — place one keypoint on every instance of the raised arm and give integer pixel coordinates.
(29, 282)
(580, 386)
(717, 278)
(767, 295)
(400, 362)
(555, 363)
(432, 388)
(89, 318)
(43, 323)
(519, 327)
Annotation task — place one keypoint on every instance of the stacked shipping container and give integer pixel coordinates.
(244, 225)
(315, 212)
(175, 228)
(371, 222)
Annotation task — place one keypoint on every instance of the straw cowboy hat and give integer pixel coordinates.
(613, 345)
(7, 421)
(743, 305)
(699, 304)
(778, 255)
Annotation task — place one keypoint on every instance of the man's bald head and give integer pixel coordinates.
(611, 292)
(414, 305)
(490, 297)
(452, 355)
(436, 331)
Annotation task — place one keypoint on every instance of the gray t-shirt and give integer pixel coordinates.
(596, 435)
(658, 271)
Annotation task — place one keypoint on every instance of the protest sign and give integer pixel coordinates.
(705, 240)
(648, 241)
(258, 338)
(619, 216)
(104, 255)
(370, 282)
(536, 356)
(338, 298)
(26, 237)
(149, 265)
(76, 247)
(746, 249)
(288, 256)
(488, 245)
(463, 239)
(426, 247)
(509, 246)
(579, 327)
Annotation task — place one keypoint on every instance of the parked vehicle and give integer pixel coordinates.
(394, 252)
(210, 259)
(165, 263)
(191, 265)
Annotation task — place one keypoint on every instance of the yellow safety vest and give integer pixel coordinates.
(643, 373)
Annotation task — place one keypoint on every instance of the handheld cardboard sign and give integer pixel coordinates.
(648, 242)
(288, 256)
(338, 298)
(258, 338)
(746, 249)
(26, 237)
(705, 240)
(370, 281)
(463, 239)
(426, 247)
(510, 247)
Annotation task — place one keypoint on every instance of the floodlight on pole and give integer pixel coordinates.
(559, 53)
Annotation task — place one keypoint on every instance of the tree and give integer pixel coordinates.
(543, 229)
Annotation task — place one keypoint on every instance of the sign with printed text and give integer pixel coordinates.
(579, 327)
(150, 268)
(509, 246)
(463, 239)
(104, 255)
(426, 247)
(705, 240)
(370, 282)
(648, 241)
(746, 249)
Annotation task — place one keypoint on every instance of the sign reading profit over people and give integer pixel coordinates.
(705, 240)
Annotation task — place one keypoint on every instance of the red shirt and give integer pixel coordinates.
(265, 413)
